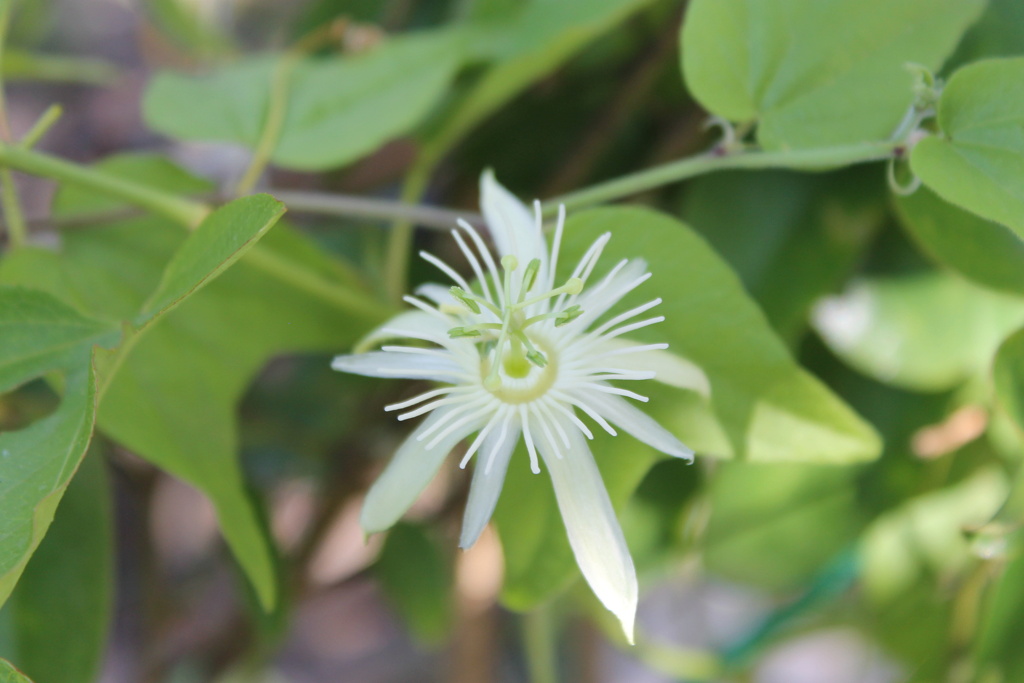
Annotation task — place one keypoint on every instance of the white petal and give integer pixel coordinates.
(417, 321)
(401, 365)
(593, 530)
(639, 424)
(439, 294)
(669, 368)
(511, 224)
(488, 477)
(405, 477)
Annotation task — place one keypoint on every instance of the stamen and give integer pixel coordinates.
(573, 285)
(472, 330)
(529, 277)
(568, 315)
(462, 296)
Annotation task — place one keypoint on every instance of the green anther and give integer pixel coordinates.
(537, 358)
(462, 296)
(509, 262)
(457, 332)
(568, 315)
(530, 276)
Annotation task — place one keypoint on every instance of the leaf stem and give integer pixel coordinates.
(187, 212)
(719, 159)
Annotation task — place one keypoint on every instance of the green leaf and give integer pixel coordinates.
(8, 674)
(174, 397)
(927, 331)
(66, 593)
(763, 518)
(1008, 372)
(217, 243)
(338, 108)
(39, 334)
(793, 238)
(415, 576)
(766, 408)
(980, 250)
(763, 406)
(926, 534)
(978, 161)
(814, 73)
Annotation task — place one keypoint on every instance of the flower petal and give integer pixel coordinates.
(639, 424)
(593, 530)
(670, 368)
(401, 365)
(408, 473)
(488, 477)
(439, 294)
(512, 226)
(414, 321)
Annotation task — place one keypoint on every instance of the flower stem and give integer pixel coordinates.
(716, 160)
(400, 240)
(13, 216)
(367, 207)
(41, 126)
(540, 642)
(187, 212)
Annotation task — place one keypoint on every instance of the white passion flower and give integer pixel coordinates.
(518, 354)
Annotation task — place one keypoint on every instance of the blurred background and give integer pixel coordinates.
(788, 574)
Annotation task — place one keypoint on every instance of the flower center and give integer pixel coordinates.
(516, 379)
(517, 366)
